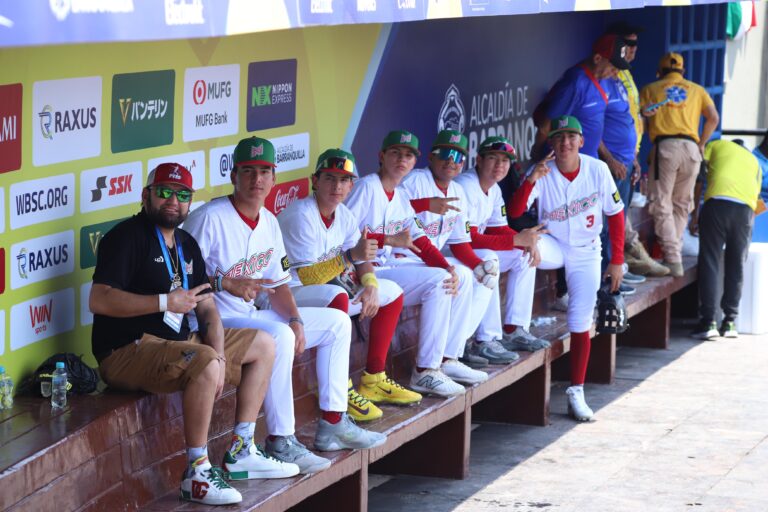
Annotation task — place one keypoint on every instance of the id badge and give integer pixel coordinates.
(171, 319)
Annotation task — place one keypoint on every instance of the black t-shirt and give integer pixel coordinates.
(130, 259)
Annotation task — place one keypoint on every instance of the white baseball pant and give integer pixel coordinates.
(443, 319)
(582, 274)
(486, 307)
(320, 295)
(329, 330)
(521, 284)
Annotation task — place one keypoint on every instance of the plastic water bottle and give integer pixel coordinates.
(59, 386)
(6, 390)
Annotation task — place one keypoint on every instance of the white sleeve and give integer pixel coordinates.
(460, 231)
(534, 191)
(201, 228)
(351, 233)
(412, 222)
(359, 202)
(297, 237)
(277, 270)
(499, 213)
(612, 203)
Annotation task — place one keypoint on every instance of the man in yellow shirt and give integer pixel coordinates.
(674, 107)
(733, 186)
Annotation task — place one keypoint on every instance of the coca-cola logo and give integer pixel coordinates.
(286, 193)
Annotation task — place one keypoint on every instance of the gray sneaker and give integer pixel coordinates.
(289, 449)
(493, 351)
(345, 435)
(472, 359)
(521, 339)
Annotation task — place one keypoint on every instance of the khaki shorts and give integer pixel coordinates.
(157, 365)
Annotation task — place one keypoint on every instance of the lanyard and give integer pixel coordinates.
(167, 258)
(594, 81)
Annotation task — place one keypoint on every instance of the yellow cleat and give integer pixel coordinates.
(380, 388)
(359, 407)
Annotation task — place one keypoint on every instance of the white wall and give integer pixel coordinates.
(746, 79)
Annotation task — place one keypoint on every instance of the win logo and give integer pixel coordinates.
(40, 316)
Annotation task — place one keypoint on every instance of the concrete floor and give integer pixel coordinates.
(681, 429)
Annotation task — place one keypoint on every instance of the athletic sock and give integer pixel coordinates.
(383, 327)
(242, 439)
(580, 345)
(332, 417)
(340, 302)
(194, 453)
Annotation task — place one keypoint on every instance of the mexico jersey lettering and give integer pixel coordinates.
(371, 208)
(573, 210)
(483, 210)
(449, 228)
(308, 240)
(231, 248)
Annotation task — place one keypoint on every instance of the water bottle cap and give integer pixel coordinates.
(59, 365)
(2, 369)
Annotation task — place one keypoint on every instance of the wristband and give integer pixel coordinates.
(295, 319)
(219, 283)
(162, 300)
(369, 279)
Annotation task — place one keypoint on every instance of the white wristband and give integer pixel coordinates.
(163, 301)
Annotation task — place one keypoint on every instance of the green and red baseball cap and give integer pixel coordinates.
(451, 139)
(337, 161)
(254, 151)
(170, 173)
(401, 138)
(613, 48)
(498, 144)
(564, 124)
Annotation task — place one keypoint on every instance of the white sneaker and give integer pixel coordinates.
(434, 382)
(290, 449)
(345, 435)
(257, 464)
(561, 303)
(205, 484)
(460, 372)
(577, 406)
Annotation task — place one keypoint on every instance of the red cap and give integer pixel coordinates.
(170, 173)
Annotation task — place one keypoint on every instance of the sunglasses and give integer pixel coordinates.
(449, 153)
(630, 42)
(344, 164)
(499, 146)
(184, 196)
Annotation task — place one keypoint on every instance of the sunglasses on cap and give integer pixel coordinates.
(334, 162)
(449, 153)
(184, 196)
(499, 146)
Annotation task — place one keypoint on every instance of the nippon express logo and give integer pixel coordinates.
(42, 317)
(271, 96)
(142, 110)
(66, 120)
(43, 258)
(210, 102)
(107, 187)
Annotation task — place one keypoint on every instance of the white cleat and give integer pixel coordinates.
(577, 406)
(435, 382)
(460, 372)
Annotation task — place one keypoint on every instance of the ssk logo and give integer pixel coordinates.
(10, 127)
(112, 186)
(42, 317)
(117, 185)
(68, 116)
(451, 116)
(43, 258)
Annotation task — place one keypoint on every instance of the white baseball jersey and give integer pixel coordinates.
(309, 241)
(372, 209)
(449, 228)
(482, 210)
(231, 248)
(573, 210)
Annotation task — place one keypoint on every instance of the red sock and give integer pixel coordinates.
(382, 329)
(580, 344)
(332, 417)
(509, 329)
(340, 302)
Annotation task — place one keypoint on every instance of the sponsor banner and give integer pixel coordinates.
(271, 94)
(2, 332)
(211, 101)
(42, 317)
(10, 127)
(107, 187)
(284, 194)
(2, 270)
(193, 161)
(42, 258)
(66, 120)
(36, 201)
(90, 238)
(86, 317)
(332, 12)
(221, 164)
(291, 152)
(142, 110)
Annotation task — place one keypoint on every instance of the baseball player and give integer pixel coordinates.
(574, 191)
(426, 278)
(489, 230)
(246, 261)
(330, 267)
(449, 230)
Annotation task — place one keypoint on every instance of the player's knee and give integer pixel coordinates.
(388, 291)
(340, 323)
(486, 254)
(466, 277)
(283, 339)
